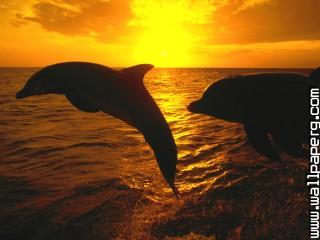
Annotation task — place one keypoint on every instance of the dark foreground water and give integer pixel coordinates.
(65, 174)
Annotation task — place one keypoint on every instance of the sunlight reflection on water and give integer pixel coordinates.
(53, 156)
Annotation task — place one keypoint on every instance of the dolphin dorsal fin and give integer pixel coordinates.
(137, 72)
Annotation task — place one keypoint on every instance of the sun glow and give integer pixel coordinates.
(164, 47)
(167, 36)
(166, 33)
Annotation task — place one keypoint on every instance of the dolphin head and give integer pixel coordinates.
(42, 82)
(209, 103)
(219, 100)
(207, 106)
(197, 106)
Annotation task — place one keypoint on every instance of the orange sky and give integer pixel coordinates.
(166, 33)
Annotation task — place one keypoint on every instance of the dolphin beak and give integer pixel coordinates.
(161, 141)
(21, 94)
(175, 191)
(195, 107)
(168, 170)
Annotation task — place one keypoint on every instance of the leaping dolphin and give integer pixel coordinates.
(93, 87)
(275, 104)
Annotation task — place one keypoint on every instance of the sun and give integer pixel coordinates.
(166, 38)
(164, 47)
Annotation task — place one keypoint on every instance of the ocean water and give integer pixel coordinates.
(66, 174)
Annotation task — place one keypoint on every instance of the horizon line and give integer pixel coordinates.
(117, 67)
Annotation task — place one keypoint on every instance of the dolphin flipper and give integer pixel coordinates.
(260, 141)
(289, 143)
(81, 103)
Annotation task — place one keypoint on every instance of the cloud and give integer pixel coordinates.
(276, 20)
(290, 54)
(217, 21)
(251, 3)
(149, 12)
(96, 18)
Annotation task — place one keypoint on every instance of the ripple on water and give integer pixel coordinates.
(65, 174)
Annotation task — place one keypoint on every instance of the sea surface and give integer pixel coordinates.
(66, 174)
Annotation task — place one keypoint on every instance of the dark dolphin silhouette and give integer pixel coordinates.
(92, 88)
(275, 104)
